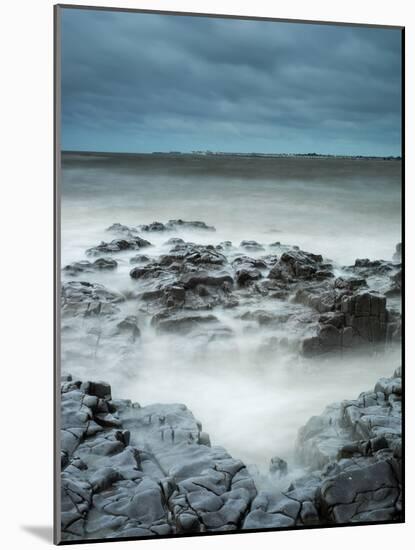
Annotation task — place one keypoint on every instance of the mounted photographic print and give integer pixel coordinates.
(228, 274)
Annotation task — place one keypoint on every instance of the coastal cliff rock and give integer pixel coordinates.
(142, 471)
(132, 471)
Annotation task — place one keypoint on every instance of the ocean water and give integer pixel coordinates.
(250, 397)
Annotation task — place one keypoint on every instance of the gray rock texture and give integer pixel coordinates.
(140, 471)
(353, 459)
(132, 471)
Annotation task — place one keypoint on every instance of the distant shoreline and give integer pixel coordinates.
(210, 154)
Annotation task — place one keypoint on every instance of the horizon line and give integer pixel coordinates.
(210, 153)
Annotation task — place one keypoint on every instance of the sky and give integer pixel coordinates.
(136, 82)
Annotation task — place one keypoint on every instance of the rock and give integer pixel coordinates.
(264, 317)
(297, 264)
(87, 267)
(350, 283)
(365, 262)
(370, 268)
(87, 299)
(241, 262)
(278, 466)
(280, 248)
(76, 268)
(252, 246)
(321, 298)
(178, 484)
(270, 511)
(153, 227)
(129, 325)
(362, 320)
(118, 245)
(180, 323)
(247, 275)
(192, 280)
(224, 245)
(194, 225)
(151, 470)
(397, 257)
(131, 470)
(149, 271)
(189, 255)
(356, 446)
(121, 229)
(366, 313)
(98, 389)
(174, 241)
(139, 259)
(395, 284)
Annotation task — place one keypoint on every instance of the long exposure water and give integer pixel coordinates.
(251, 398)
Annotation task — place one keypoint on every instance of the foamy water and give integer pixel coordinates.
(252, 397)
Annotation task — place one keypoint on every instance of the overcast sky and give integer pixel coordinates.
(144, 82)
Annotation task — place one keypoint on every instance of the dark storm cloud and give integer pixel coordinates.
(145, 82)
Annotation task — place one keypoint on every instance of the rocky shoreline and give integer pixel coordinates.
(330, 308)
(132, 471)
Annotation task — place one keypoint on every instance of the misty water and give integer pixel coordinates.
(250, 397)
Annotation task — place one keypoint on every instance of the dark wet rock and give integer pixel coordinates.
(357, 447)
(84, 266)
(248, 270)
(395, 288)
(280, 248)
(394, 326)
(150, 271)
(353, 456)
(76, 268)
(206, 256)
(350, 283)
(181, 323)
(252, 246)
(174, 240)
(139, 259)
(145, 471)
(118, 245)
(105, 263)
(97, 389)
(224, 245)
(185, 289)
(247, 275)
(138, 471)
(204, 278)
(124, 230)
(397, 257)
(278, 466)
(273, 288)
(366, 314)
(264, 317)
(181, 224)
(365, 262)
(241, 262)
(297, 264)
(175, 295)
(370, 268)
(188, 254)
(84, 298)
(322, 298)
(354, 320)
(153, 227)
(175, 225)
